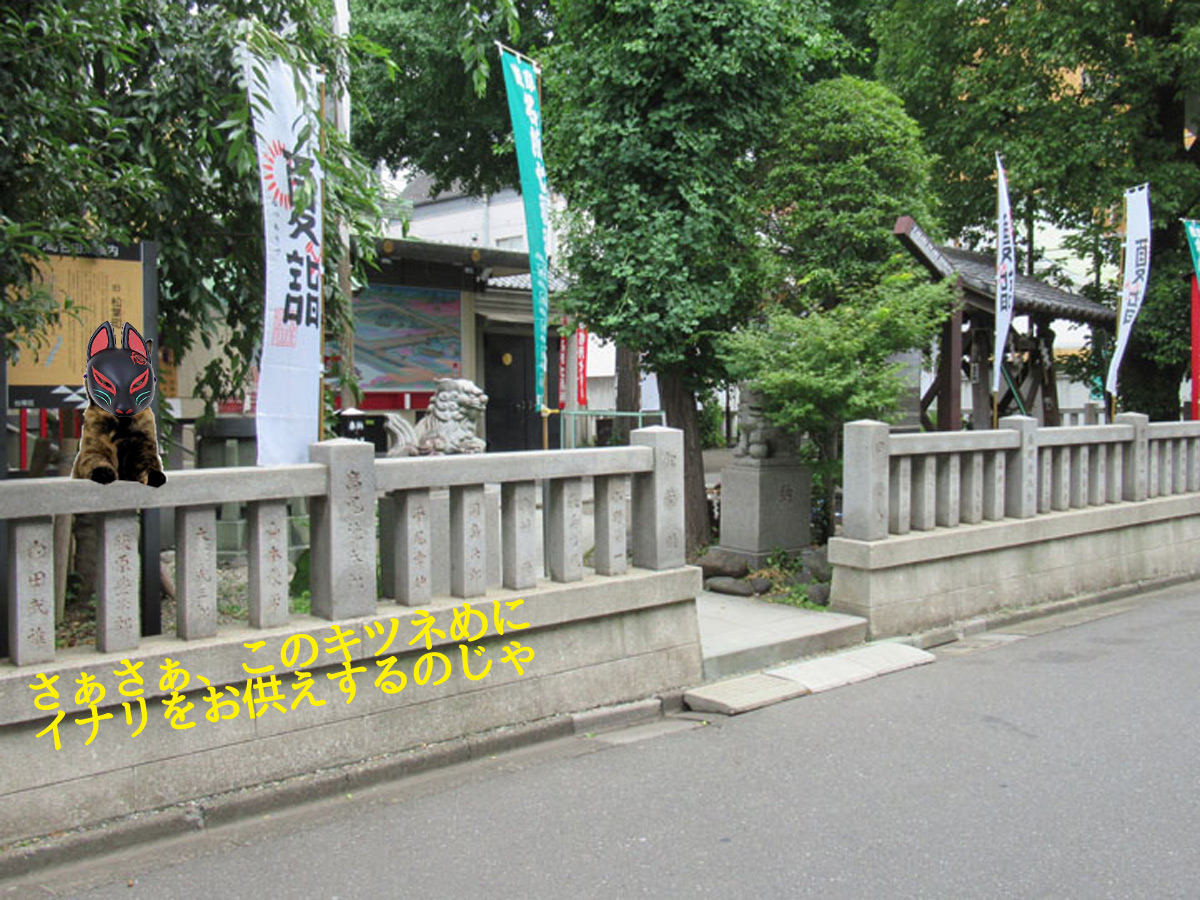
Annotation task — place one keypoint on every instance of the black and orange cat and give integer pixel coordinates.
(119, 438)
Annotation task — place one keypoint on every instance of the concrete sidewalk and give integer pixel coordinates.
(758, 653)
(738, 634)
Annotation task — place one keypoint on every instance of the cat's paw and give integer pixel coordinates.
(103, 475)
(155, 478)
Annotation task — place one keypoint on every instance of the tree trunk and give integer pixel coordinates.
(679, 403)
(629, 390)
(829, 457)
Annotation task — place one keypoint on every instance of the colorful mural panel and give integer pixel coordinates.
(407, 338)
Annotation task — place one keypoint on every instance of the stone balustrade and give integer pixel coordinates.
(899, 483)
(342, 483)
(944, 510)
(438, 534)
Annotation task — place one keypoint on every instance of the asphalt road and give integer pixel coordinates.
(1059, 764)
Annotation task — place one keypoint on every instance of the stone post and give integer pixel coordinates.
(994, 481)
(948, 510)
(865, 482)
(658, 530)
(196, 572)
(766, 494)
(899, 495)
(30, 591)
(518, 531)
(1021, 469)
(268, 558)
(610, 493)
(972, 489)
(410, 547)
(118, 619)
(1136, 463)
(343, 531)
(564, 552)
(468, 542)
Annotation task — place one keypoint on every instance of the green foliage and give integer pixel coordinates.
(655, 113)
(443, 114)
(1083, 100)
(824, 367)
(61, 147)
(712, 422)
(128, 120)
(847, 164)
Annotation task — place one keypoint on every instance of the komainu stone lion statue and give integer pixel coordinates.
(449, 426)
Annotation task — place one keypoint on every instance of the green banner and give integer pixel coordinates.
(521, 82)
(1192, 229)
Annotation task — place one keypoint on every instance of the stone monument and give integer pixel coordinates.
(766, 493)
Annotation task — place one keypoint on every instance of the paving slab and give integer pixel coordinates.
(824, 674)
(852, 666)
(886, 657)
(738, 634)
(742, 694)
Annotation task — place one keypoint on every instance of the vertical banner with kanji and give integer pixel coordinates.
(1192, 230)
(581, 367)
(1136, 273)
(521, 83)
(1006, 272)
(286, 130)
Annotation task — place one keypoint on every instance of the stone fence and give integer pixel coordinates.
(942, 527)
(619, 629)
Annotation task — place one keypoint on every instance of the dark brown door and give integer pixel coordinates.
(513, 419)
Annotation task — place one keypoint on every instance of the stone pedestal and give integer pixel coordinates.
(766, 494)
(765, 505)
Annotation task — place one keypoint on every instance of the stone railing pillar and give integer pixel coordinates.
(1135, 474)
(564, 549)
(343, 531)
(118, 583)
(610, 493)
(196, 578)
(518, 516)
(468, 541)
(658, 525)
(30, 591)
(865, 481)
(1021, 469)
(268, 553)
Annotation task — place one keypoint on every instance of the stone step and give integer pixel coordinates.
(810, 676)
(740, 634)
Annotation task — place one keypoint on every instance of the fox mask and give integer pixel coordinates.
(120, 381)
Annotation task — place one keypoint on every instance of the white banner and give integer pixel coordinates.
(289, 387)
(1137, 273)
(1006, 272)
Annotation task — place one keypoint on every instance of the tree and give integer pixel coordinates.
(847, 163)
(1083, 100)
(131, 122)
(822, 368)
(655, 112)
(444, 114)
(844, 298)
(57, 136)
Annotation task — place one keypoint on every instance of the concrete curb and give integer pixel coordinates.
(946, 634)
(114, 835)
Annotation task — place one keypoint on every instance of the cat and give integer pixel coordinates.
(119, 438)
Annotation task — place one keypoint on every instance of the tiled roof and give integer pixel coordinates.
(420, 191)
(977, 274)
(523, 282)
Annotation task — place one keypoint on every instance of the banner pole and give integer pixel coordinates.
(1195, 348)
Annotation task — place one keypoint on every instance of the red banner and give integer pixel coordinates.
(562, 371)
(581, 347)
